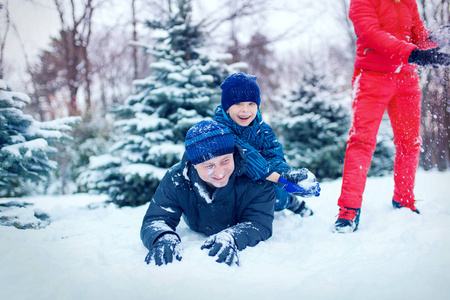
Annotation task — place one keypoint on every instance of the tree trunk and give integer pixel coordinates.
(435, 98)
(135, 56)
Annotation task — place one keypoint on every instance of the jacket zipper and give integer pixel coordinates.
(399, 20)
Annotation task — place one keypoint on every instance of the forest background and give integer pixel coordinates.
(93, 59)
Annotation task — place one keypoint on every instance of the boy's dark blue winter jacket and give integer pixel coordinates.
(263, 151)
(243, 206)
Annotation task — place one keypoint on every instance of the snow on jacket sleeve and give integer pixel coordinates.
(163, 213)
(255, 223)
(419, 33)
(367, 26)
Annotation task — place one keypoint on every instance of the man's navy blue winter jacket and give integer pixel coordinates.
(243, 206)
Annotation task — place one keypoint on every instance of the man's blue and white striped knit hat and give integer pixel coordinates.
(207, 140)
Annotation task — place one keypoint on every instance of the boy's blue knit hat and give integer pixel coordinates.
(207, 140)
(240, 87)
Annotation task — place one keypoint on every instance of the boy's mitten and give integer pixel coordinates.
(164, 249)
(223, 246)
(295, 175)
(313, 189)
(290, 187)
(300, 182)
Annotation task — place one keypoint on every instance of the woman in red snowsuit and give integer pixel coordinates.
(391, 42)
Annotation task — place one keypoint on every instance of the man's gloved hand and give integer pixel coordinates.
(164, 250)
(223, 246)
(431, 57)
(300, 182)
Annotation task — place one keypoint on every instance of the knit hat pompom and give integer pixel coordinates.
(240, 87)
(207, 140)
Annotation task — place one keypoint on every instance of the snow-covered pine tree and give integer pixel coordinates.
(25, 144)
(182, 90)
(313, 126)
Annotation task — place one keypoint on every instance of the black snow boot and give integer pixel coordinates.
(299, 207)
(410, 205)
(348, 220)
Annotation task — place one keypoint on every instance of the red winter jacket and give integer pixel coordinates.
(387, 32)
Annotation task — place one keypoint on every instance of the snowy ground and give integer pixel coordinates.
(97, 254)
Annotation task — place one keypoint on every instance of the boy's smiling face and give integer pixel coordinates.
(243, 113)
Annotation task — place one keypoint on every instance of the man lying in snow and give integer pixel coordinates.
(210, 189)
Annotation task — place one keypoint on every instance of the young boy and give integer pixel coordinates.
(239, 111)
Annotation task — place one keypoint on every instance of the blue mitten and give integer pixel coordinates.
(296, 175)
(300, 182)
(290, 187)
(313, 189)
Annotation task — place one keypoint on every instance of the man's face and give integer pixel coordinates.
(243, 113)
(217, 171)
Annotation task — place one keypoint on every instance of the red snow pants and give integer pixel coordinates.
(372, 94)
